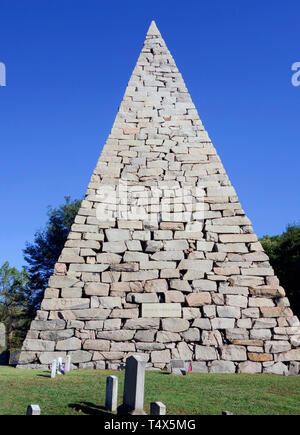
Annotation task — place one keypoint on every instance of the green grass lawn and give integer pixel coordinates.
(83, 392)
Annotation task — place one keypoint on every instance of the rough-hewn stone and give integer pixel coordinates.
(249, 367)
(96, 289)
(162, 356)
(96, 345)
(72, 343)
(145, 323)
(222, 367)
(65, 304)
(260, 357)
(205, 353)
(198, 299)
(175, 325)
(161, 310)
(233, 353)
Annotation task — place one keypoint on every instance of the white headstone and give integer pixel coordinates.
(68, 364)
(111, 399)
(53, 369)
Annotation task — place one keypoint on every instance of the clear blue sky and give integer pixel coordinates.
(68, 63)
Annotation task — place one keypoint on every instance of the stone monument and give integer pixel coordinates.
(2, 336)
(111, 396)
(4, 354)
(161, 260)
(157, 408)
(33, 410)
(133, 397)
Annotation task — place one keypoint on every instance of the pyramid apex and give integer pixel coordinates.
(153, 30)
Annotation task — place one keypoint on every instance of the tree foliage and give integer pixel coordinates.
(284, 253)
(14, 304)
(43, 253)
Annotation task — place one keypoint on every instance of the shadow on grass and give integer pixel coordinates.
(46, 375)
(89, 408)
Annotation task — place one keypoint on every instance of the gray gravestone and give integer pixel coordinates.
(4, 357)
(33, 410)
(178, 367)
(133, 396)
(294, 368)
(4, 354)
(14, 358)
(157, 408)
(111, 399)
(2, 336)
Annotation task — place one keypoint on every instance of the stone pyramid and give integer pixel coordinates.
(161, 260)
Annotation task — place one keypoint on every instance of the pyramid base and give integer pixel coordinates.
(287, 368)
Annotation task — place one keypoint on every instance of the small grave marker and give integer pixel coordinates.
(53, 369)
(2, 336)
(33, 410)
(178, 367)
(157, 408)
(60, 367)
(68, 363)
(111, 393)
